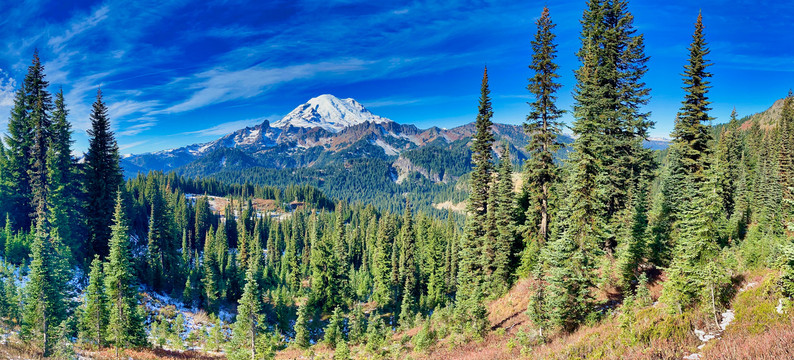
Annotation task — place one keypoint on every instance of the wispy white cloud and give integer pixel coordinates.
(139, 125)
(220, 85)
(7, 88)
(402, 101)
(79, 26)
(227, 127)
(126, 146)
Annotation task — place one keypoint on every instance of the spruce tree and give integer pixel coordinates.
(608, 160)
(46, 288)
(786, 155)
(503, 209)
(62, 191)
(19, 140)
(408, 263)
(212, 276)
(103, 178)
(471, 271)
(693, 191)
(28, 141)
(333, 332)
(249, 317)
(301, 327)
(543, 124)
(94, 322)
(692, 135)
(125, 326)
(632, 240)
(381, 271)
(567, 296)
(38, 159)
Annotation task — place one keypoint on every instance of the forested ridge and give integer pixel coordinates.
(281, 269)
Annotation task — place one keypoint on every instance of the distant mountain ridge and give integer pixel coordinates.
(328, 131)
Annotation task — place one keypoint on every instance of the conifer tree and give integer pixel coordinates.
(632, 239)
(93, 325)
(567, 296)
(503, 209)
(38, 158)
(249, 317)
(691, 135)
(18, 139)
(46, 288)
(543, 124)
(609, 160)
(212, 276)
(62, 191)
(786, 154)
(28, 140)
(729, 157)
(358, 325)
(471, 271)
(699, 207)
(333, 332)
(408, 266)
(302, 335)
(696, 246)
(382, 293)
(125, 325)
(103, 178)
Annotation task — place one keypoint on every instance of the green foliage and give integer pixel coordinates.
(46, 288)
(302, 336)
(94, 321)
(217, 336)
(425, 337)
(342, 351)
(334, 331)
(543, 125)
(125, 326)
(787, 273)
(102, 178)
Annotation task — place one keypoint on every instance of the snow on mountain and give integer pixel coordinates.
(330, 113)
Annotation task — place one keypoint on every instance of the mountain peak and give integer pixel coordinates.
(330, 113)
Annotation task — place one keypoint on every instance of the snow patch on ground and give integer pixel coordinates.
(388, 149)
(727, 318)
(780, 306)
(195, 320)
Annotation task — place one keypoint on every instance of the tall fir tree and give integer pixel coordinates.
(503, 210)
(786, 155)
(381, 267)
(103, 178)
(691, 134)
(62, 186)
(125, 326)
(543, 126)
(28, 140)
(471, 271)
(690, 154)
(609, 160)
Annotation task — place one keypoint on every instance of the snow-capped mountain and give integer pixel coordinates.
(327, 132)
(330, 113)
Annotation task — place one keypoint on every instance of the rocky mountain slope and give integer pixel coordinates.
(328, 132)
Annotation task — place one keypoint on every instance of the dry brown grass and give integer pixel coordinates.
(148, 354)
(758, 331)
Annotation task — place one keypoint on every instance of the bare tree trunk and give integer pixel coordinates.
(46, 339)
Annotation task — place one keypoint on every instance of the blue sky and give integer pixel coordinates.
(181, 72)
